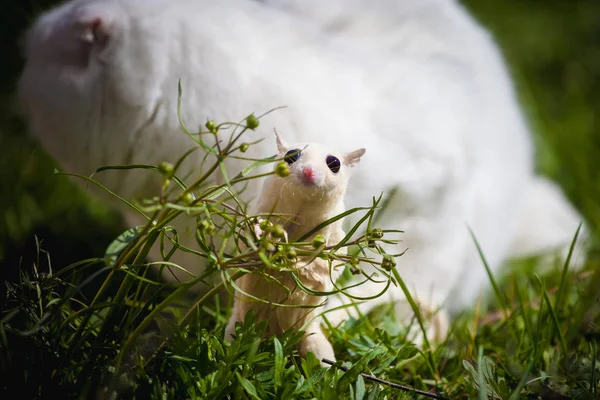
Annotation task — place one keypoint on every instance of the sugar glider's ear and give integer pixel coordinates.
(353, 158)
(282, 146)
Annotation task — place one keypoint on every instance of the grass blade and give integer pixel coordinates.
(497, 292)
(562, 287)
(559, 333)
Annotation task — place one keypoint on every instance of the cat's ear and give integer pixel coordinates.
(95, 24)
(282, 146)
(353, 158)
(92, 30)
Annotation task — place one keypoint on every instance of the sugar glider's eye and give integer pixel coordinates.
(292, 156)
(333, 163)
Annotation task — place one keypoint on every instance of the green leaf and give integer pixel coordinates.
(483, 379)
(253, 166)
(562, 285)
(116, 247)
(278, 362)
(360, 366)
(360, 388)
(248, 386)
(516, 394)
(337, 218)
(559, 333)
(499, 296)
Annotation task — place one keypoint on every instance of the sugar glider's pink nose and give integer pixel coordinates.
(308, 174)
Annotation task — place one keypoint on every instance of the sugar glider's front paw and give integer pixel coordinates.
(230, 330)
(316, 342)
(260, 232)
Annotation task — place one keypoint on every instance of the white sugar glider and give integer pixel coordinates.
(419, 82)
(313, 193)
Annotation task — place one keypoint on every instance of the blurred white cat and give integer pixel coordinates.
(418, 82)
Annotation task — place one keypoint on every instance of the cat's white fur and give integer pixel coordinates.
(309, 195)
(418, 81)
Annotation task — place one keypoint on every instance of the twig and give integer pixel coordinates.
(392, 384)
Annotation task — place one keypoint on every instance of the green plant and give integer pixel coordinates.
(110, 327)
(111, 336)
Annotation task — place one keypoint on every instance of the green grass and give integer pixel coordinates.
(110, 327)
(138, 338)
(75, 332)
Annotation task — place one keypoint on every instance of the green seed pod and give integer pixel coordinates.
(206, 227)
(371, 243)
(376, 233)
(265, 225)
(189, 197)
(203, 225)
(244, 147)
(278, 231)
(388, 263)
(166, 169)
(282, 169)
(252, 122)
(42, 276)
(318, 241)
(291, 255)
(211, 126)
(268, 246)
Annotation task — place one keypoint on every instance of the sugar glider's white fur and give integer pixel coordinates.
(418, 82)
(310, 195)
